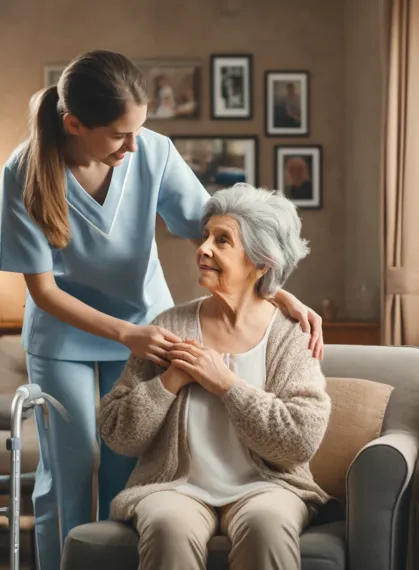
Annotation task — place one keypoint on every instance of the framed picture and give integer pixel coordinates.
(298, 173)
(52, 74)
(220, 161)
(287, 102)
(174, 89)
(231, 87)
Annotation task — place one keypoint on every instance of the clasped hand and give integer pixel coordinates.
(203, 365)
(187, 361)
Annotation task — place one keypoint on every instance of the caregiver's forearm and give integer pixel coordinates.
(282, 297)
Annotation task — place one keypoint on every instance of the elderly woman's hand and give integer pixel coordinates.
(174, 379)
(205, 365)
(309, 320)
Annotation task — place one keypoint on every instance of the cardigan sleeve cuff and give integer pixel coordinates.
(159, 394)
(239, 392)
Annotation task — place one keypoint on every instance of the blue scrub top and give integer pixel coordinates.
(112, 262)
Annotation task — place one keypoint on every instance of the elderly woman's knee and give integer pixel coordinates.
(169, 523)
(172, 539)
(270, 526)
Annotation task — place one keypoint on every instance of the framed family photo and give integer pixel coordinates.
(52, 74)
(231, 87)
(287, 103)
(298, 173)
(220, 161)
(173, 87)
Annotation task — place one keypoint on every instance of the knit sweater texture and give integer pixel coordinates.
(282, 426)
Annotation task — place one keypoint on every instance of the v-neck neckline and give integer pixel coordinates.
(109, 175)
(100, 216)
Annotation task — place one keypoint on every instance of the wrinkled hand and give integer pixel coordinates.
(309, 320)
(316, 344)
(205, 365)
(174, 379)
(150, 342)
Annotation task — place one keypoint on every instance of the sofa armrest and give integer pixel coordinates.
(378, 501)
(6, 411)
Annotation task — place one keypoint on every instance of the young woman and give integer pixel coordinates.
(79, 204)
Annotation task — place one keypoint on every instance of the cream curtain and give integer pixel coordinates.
(400, 195)
(400, 188)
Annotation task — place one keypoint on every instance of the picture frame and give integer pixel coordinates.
(231, 86)
(174, 88)
(287, 103)
(182, 87)
(220, 161)
(298, 174)
(52, 73)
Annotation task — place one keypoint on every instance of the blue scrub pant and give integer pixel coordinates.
(62, 496)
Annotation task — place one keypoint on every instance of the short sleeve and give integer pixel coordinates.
(181, 197)
(23, 246)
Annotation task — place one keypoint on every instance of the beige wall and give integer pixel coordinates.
(364, 99)
(291, 34)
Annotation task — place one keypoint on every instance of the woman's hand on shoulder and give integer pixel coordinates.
(149, 342)
(205, 365)
(309, 320)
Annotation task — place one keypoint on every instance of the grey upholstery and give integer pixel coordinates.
(379, 485)
(12, 375)
(397, 366)
(108, 545)
(6, 411)
(381, 501)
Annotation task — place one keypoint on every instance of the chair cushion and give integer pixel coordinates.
(12, 375)
(12, 298)
(111, 545)
(30, 450)
(358, 409)
(12, 364)
(324, 547)
(394, 365)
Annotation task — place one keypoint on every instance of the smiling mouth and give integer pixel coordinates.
(207, 268)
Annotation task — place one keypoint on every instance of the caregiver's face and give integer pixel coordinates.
(222, 261)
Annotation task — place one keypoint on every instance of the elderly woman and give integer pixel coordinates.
(226, 432)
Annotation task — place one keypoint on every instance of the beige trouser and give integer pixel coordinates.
(264, 529)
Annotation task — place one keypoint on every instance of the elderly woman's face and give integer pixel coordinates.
(222, 261)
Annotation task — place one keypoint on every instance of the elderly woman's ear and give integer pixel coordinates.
(269, 229)
(260, 271)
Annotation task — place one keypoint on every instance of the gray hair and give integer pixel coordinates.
(270, 230)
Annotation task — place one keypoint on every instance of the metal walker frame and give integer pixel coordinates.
(26, 398)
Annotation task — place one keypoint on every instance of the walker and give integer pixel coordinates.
(25, 399)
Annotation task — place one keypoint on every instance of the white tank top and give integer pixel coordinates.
(221, 469)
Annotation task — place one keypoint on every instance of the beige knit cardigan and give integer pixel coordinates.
(282, 426)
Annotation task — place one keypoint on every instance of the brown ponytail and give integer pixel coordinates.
(95, 88)
(45, 193)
